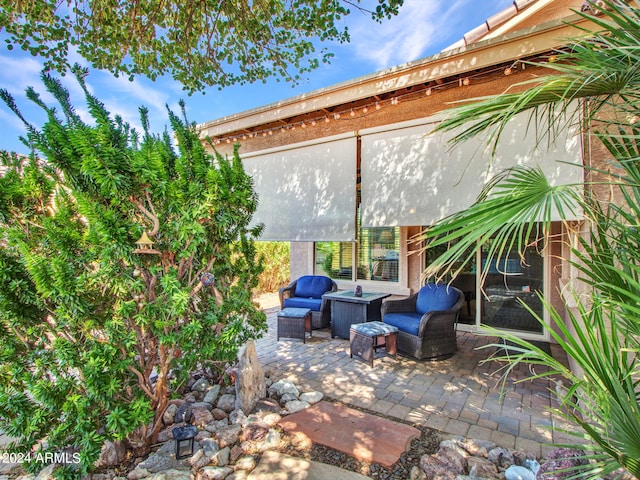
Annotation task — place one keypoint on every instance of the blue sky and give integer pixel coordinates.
(422, 28)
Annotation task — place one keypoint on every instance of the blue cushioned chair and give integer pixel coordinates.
(426, 321)
(306, 292)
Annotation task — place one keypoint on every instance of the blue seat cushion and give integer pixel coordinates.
(406, 322)
(435, 297)
(298, 302)
(312, 286)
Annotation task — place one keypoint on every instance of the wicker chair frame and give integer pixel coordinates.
(320, 319)
(436, 339)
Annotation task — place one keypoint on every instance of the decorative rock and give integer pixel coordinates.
(236, 452)
(532, 465)
(237, 417)
(171, 474)
(501, 457)
(206, 405)
(47, 472)
(271, 441)
(434, 468)
(255, 432)
(478, 448)
(246, 462)
(287, 397)
(455, 445)
(212, 394)
(111, 454)
(201, 385)
(161, 460)
(417, 474)
(227, 403)
(191, 397)
(228, 435)
(183, 413)
(138, 473)
(252, 419)
(271, 419)
(214, 473)
(267, 405)
(210, 447)
(198, 459)
(482, 468)
(296, 405)
(214, 426)
(453, 460)
(167, 434)
(281, 387)
(238, 475)
(558, 460)
(221, 457)
(219, 414)
(170, 414)
(312, 397)
(201, 416)
(516, 472)
(202, 435)
(250, 384)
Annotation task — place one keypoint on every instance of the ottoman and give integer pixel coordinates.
(294, 322)
(366, 338)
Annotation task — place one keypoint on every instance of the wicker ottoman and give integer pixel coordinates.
(294, 322)
(366, 338)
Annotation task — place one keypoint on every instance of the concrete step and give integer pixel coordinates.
(278, 466)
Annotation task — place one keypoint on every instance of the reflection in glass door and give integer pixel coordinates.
(465, 281)
(511, 281)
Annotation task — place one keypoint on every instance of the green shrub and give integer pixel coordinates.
(95, 332)
(275, 258)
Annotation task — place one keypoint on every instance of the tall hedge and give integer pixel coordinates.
(96, 332)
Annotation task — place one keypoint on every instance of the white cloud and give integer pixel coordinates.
(398, 40)
(11, 121)
(19, 72)
(421, 28)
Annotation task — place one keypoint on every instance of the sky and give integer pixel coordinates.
(422, 28)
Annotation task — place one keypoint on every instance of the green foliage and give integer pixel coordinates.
(198, 43)
(94, 334)
(602, 332)
(275, 258)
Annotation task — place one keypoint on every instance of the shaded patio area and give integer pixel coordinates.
(457, 396)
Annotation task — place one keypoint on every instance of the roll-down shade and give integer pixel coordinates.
(307, 191)
(411, 177)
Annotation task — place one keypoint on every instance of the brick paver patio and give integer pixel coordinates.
(458, 396)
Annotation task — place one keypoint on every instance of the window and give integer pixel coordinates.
(375, 256)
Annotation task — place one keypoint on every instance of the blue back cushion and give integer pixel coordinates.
(435, 297)
(312, 286)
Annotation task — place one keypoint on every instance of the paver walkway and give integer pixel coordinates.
(457, 396)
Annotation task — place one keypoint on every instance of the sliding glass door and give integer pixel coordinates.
(511, 283)
(511, 287)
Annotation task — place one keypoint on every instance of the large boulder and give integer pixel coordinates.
(250, 382)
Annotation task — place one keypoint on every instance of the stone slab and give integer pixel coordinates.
(367, 437)
(278, 466)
